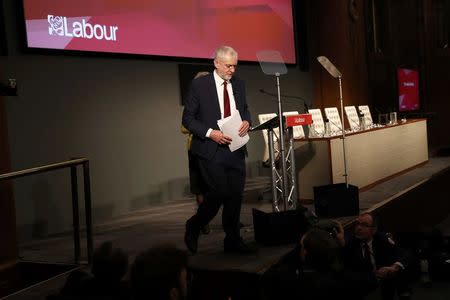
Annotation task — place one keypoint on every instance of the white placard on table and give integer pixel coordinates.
(334, 119)
(352, 117)
(364, 109)
(318, 127)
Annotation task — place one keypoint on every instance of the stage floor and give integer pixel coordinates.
(165, 224)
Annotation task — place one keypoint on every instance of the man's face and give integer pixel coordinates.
(364, 229)
(226, 66)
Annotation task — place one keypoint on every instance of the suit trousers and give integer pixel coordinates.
(224, 176)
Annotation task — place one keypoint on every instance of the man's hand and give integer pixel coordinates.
(244, 128)
(218, 137)
(385, 272)
(339, 233)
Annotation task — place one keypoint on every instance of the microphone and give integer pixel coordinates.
(329, 66)
(362, 120)
(327, 127)
(262, 91)
(360, 113)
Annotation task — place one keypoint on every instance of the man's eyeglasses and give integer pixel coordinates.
(228, 66)
(363, 224)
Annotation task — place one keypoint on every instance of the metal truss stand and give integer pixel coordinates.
(283, 177)
(284, 183)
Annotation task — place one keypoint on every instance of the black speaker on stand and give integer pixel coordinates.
(336, 200)
(276, 228)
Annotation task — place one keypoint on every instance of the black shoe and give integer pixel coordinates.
(191, 237)
(206, 229)
(238, 247)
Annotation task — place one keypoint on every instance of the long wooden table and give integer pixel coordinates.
(372, 156)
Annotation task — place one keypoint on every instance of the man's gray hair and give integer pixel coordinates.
(223, 51)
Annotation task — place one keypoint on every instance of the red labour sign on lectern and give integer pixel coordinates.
(296, 120)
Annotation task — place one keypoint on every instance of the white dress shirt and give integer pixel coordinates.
(219, 88)
(372, 257)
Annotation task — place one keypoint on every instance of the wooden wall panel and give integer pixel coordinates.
(437, 57)
(393, 26)
(338, 32)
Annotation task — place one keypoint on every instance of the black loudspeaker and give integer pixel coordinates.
(336, 200)
(276, 228)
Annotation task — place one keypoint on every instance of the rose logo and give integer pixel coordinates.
(55, 25)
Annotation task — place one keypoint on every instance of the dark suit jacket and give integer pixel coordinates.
(384, 252)
(325, 285)
(294, 279)
(202, 110)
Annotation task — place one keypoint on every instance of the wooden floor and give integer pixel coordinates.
(165, 224)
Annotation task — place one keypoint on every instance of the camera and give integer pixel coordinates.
(330, 226)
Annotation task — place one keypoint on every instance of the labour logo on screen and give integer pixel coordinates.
(81, 28)
(55, 25)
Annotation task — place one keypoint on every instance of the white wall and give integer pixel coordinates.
(123, 114)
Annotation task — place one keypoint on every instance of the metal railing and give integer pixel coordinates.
(72, 164)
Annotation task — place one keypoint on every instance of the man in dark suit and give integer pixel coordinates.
(373, 251)
(211, 98)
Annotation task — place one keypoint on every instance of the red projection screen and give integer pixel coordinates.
(174, 28)
(408, 89)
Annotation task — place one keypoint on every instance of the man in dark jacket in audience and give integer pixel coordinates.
(372, 251)
(314, 270)
(323, 275)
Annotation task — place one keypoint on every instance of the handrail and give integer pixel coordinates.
(72, 164)
(42, 169)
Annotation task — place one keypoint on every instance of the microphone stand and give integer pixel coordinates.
(358, 126)
(336, 125)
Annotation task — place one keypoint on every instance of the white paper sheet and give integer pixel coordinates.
(230, 127)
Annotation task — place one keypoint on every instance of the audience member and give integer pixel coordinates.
(160, 273)
(75, 283)
(314, 269)
(323, 275)
(109, 266)
(374, 252)
(319, 250)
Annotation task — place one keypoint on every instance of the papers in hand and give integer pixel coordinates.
(230, 127)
